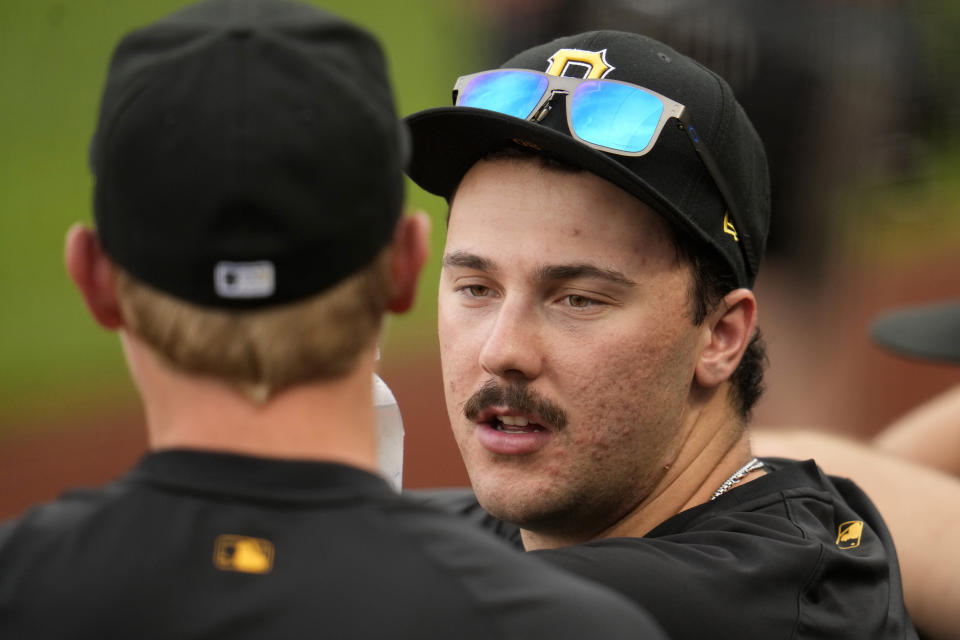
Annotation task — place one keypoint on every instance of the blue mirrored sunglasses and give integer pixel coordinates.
(608, 115)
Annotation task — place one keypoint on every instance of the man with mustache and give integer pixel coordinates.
(609, 205)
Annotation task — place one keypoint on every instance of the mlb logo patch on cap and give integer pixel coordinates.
(244, 279)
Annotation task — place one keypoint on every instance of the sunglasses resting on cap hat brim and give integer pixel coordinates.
(653, 153)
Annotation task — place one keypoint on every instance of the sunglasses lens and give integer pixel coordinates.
(515, 93)
(616, 116)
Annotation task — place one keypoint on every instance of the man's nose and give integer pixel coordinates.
(512, 348)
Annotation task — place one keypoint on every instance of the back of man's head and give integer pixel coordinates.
(248, 165)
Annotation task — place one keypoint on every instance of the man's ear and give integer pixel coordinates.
(730, 327)
(93, 274)
(410, 249)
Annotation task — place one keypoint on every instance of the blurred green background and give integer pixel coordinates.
(859, 99)
(54, 362)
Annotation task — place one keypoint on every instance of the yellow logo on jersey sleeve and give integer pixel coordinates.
(848, 536)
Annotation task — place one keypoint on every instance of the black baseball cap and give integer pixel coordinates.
(931, 332)
(248, 153)
(671, 178)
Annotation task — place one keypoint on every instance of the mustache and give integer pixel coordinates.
(517, 397)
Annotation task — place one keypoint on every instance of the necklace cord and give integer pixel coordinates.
(737, 476)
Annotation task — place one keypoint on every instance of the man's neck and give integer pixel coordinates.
(716, 446)
(332, 420)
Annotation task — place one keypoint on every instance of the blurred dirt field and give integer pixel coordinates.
(824, 373)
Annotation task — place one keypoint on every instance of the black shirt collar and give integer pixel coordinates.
(782, 475)
(268, 478)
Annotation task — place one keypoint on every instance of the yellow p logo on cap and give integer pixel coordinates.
(594, 63)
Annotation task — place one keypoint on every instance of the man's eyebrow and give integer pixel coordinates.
(573, 271)
(550, 272)
(467, 261)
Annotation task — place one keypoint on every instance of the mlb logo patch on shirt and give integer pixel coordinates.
(243, 554)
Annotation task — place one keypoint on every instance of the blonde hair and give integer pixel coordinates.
(262, 352)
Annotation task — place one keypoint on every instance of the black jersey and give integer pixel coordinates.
(202, 545)
(793, 555)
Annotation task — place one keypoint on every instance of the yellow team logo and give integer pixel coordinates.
(848, 536)
(594, 63)
(728, 227)
(243, 554)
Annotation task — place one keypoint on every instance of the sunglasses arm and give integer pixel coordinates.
(725, 192)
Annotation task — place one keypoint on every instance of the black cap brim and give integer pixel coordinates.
(447, 141)
(930, 332)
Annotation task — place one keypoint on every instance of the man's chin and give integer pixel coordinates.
(527, 507)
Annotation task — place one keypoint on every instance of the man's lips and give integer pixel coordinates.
(507, 420)
(507, 433)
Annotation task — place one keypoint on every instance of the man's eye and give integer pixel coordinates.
(578, 302)
(476, 290)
